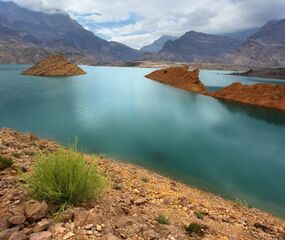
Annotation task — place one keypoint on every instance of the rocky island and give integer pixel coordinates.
(261, 94)
(54, 65)
(137, 204)
(179, 77)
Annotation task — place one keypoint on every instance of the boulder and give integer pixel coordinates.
(6, 234)
(17, 219)
(35, 210)
(17, 236)
(4, 221)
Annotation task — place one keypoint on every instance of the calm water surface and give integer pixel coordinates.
(234, 150)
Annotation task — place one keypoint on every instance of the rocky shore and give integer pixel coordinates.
(138, 204)
(275, 73)
(54, 65)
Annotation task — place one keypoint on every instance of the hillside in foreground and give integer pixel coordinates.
(138, 204)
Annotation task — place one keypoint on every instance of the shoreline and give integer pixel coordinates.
(139, 195)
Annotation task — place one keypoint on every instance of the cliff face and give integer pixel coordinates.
(179, 77)
(265, 95)
(54, 65)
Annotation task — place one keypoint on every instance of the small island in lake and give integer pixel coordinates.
(179, 77)
(54, 65)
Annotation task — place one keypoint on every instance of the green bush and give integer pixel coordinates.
(161, 219)
(5, 163)
(64, 177)
(196, 228)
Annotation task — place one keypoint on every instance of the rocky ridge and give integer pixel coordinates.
(54, 65)
(129, 209)
(179, 77)
(264, 95)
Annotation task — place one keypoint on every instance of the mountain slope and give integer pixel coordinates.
(194, 46)
(242, 35)
(266, 48)
(56, 31)
(158, 44)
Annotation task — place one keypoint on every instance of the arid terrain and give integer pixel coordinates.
(262, 94)
(54, 65)
(129, 208)
(179, 77)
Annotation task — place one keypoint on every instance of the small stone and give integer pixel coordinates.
(41, 236)
(68, 235)
(42, 225)
(89, 226)
(17, 219)
(80, 218)
(109, 237)
(89, 232)
(140, 201)
(98, 228)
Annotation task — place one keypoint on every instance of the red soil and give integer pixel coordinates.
(179, 77)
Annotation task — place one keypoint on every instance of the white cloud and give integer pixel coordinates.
(158, 17)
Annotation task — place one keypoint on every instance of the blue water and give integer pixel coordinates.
(231, 149)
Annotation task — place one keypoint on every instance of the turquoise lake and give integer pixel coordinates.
(234, 150)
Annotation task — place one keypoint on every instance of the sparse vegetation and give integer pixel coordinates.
(200, 214)
(117, 186)
(5, 163)
(195, 228)
(145, 179)
(64, 177)
(161, 219)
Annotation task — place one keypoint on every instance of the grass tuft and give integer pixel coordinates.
(5, 163)
(161, 219)
(195, 228)
(64, 177)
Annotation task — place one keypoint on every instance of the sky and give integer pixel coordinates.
(137, 23)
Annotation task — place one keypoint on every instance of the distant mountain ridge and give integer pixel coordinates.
(194, 46)
(158, 44)
(265, 48)
(23, 29)
(242, 35)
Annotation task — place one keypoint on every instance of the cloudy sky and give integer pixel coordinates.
(139, 22)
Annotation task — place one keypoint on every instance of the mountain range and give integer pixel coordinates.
(194, 46)
(35, 34)
(158, 44)
(27, 36)
(264, 48)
